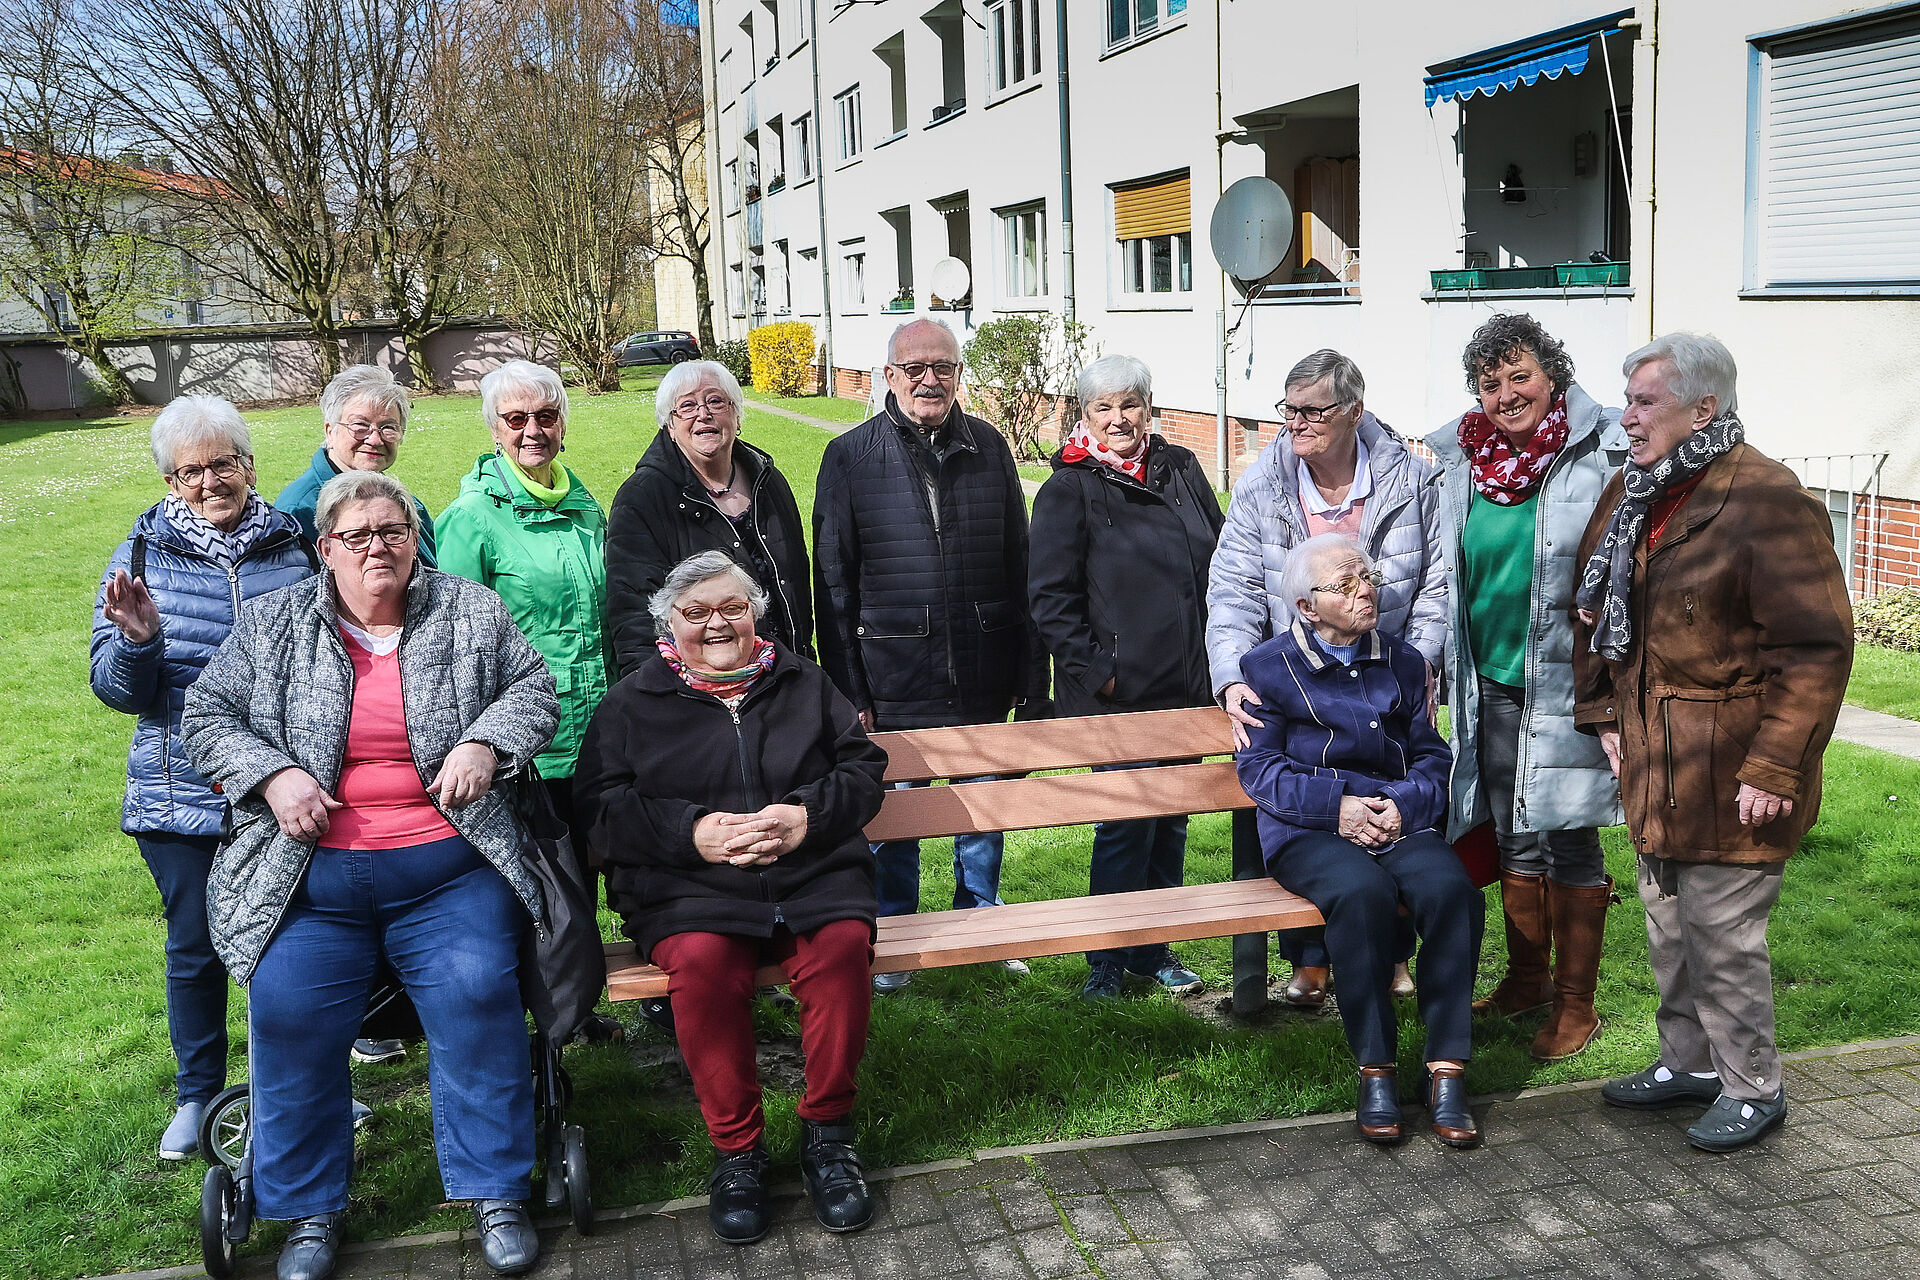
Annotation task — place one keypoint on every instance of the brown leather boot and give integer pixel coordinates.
(1579, 925)
(1308, 987)
(1526, 988)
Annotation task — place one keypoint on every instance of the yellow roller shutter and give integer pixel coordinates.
(1162, 208)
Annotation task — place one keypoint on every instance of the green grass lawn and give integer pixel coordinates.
(965, 1059)
(1886, 680)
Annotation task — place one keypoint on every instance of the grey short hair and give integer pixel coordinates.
(1302, 571)
(361, 486)
(522, 376)
(1702, 366)
(192, 420)
(683, 378)
(693, 571)
(1114, 375)
(364, 382)
(1348, 386)
(894, 337)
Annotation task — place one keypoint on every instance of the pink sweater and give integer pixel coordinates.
(386, 806)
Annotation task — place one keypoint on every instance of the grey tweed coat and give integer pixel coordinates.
(279, 693)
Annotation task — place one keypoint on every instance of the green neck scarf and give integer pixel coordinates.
(563, 482)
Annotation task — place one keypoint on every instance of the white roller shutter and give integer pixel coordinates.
(1840, 157)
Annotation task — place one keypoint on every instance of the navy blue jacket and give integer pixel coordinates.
(1334, 730)
(198, 600)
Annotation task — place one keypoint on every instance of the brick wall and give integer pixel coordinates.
(1890, 557)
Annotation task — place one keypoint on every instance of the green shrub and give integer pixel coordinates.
(734, 353)
(782, 358)
(1016, 367)
(1891, 618)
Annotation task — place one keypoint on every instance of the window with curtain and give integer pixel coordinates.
(847, 107)
(1153, 230)
(1013, 34)
(802, 148)
(1023, 247)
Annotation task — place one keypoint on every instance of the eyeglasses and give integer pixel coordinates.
(942, 369)
(1314, 413)
(687, 410)
(224, 467)
(732, 611)
(361, 430)
(518, 419)
(1350, 585)
(357, 540)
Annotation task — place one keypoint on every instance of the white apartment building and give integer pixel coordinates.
(1748, 170)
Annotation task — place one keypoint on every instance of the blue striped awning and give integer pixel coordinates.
(1554, 54)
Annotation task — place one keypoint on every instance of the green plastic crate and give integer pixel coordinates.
(1591, 273)
(1444, 281)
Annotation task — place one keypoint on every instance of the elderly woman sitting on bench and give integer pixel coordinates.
(726, 783)
(1351, 782)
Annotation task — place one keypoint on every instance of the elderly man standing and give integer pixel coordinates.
(920, 570)
(1712, 647)
(363, 419)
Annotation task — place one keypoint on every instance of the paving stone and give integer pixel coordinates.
(1064, 1173)
(1093, 1220)
(1050, 1253)
(1146, 1216)
(1116, 1170)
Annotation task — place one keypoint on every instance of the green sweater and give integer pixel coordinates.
(1496, 570)
(549, 565)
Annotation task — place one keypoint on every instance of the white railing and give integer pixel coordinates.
(1854, 477)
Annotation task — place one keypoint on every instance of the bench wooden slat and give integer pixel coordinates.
(1020, 804)
(1020, 930)
(974, 750)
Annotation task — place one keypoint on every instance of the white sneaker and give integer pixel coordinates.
(1016, 968)
(181, 1141)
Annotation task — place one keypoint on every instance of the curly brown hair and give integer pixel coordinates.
(1504, 338)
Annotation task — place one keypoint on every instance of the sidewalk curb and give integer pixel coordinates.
(670, 1208)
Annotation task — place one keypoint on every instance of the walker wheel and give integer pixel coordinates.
(579, 1187)
(223, 1126)
(216, 1214)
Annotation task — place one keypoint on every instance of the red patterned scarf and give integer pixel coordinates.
(721, 684)
(1081, 444)
(1504, 475)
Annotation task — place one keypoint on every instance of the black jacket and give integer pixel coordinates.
(1118, 582)
(663, 514)
(660, 756)
(923, 598)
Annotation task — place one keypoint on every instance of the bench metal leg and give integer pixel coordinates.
(1249, 949)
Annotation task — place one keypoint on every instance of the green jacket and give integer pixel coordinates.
(549, 565)
(299, 498)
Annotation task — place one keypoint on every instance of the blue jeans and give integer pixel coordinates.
(976, 869)
(196, 979)
(1147, 853)
(449, 926)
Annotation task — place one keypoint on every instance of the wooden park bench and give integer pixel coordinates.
(1019, 930)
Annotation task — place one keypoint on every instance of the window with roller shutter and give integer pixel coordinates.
(1153, 228)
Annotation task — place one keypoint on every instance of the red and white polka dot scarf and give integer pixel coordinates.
(1506, 476)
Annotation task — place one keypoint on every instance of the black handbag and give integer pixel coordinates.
(563, 965)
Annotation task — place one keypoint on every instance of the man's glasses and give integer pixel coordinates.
(361, 430)
(224, 467)
(1314, 413)
(518, 419)
(732, 611)
(357, 540)
(942, 369)
(688, 410)
(1350, 585)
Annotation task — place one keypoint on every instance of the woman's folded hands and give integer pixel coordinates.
(751, 839)
(1372, 822)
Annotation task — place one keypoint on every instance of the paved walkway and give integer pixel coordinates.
(1563, 1187)
(1877, 729)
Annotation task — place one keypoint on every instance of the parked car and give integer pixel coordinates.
(666, 346)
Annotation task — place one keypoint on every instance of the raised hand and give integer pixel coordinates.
(130, 607)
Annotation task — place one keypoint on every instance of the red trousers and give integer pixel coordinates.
(710, 981)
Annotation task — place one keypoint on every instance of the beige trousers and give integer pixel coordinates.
(1707, 935)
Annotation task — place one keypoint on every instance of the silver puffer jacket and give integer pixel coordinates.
(1399, 529)
(279, 694)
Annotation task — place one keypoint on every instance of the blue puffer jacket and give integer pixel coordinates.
(198, 600)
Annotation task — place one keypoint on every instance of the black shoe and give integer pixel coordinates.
(737, 1196)
(1732, 1123)
(1378, 1112)
(311, 1247)
(1646, 1090)
(658, 1010)
(1453, 1123)
(1103, 982)
(365, 1050)
(600, 1029)
(507, 1239)
(835, 1182)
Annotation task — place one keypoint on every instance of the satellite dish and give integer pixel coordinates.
(950, 280)
(1252, 228)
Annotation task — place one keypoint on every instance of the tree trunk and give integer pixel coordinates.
(111, 380)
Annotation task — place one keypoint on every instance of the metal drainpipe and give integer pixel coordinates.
(820, 196)
(1066, 165)
(1221, 465)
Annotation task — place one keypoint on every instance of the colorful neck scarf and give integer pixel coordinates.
(1606, 584)
(1081, 444)
(200, 534)
(721, 684)
(1507, 476)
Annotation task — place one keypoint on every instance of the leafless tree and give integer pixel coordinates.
(243, 92)
(82, 236)
(550, 145)
(674, 120)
